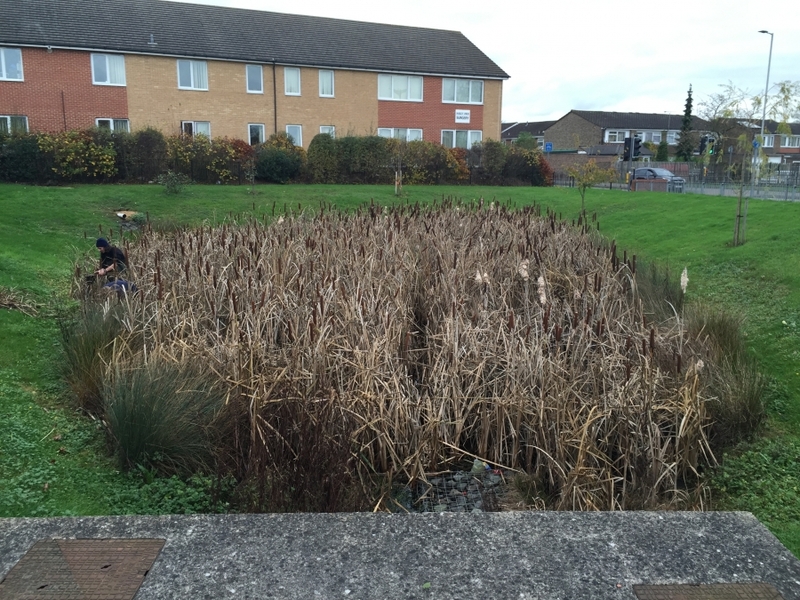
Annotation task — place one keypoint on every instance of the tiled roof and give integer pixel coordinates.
(625, 120)
(512, 130)
(215, 32)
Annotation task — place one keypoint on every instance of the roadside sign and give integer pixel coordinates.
(548, 146)
(755, 144)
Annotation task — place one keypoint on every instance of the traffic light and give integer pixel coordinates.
(711, 145)
(637, 147)
(626, 154)
(703, 141)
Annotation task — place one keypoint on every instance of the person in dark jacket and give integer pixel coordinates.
(112, 260)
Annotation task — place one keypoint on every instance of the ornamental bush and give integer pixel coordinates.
(77, 156)
(21, 159)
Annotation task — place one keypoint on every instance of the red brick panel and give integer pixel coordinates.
(58, 93)
(431, 115)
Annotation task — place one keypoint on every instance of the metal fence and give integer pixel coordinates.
(781, 182)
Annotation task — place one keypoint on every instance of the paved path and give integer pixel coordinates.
(509, 555)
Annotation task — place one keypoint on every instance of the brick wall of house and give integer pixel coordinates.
(58, 94)
(492, 107)
(431, 115)
(352, 111)
(154, 99)
(572, 132)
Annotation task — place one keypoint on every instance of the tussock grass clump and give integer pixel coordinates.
(397, 341)
(736, 388)
(87, 341)
(163, 413)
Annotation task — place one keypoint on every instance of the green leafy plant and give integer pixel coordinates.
(173, 182)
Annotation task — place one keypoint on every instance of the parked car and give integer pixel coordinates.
(674, 183)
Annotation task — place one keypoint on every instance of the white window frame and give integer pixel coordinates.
(618, 136)
(262, 136)
(3, 70)
(296, 139)
(383, 78)
(672, 138)
(106, 58)
(790, 141)
(7, 119)
(769, 140)
(329, 129)
(113, 124)
(286, 91)
(192, 64)
(471, 134)
(326, 72)
(247, 69)
(194, 125)
(471, 92)
(407, 134)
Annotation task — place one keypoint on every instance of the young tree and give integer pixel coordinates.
(587, 175)
(527, 141)
(687, 141)
(662, 152)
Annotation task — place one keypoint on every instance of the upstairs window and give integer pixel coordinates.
(614, 137)
(13, 124)
(113, 124)
(108, 69)
(192, 75)
(462, 91)
(401, 133)
(790, 141)
(329, 129)
(400, 87)
(11, 64)
(326, 83)
(291, 81)
(255, 79)
(769, 141)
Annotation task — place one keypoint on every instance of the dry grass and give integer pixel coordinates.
(16, 300)
(409, 337)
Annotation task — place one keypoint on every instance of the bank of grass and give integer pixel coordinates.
(44, 229)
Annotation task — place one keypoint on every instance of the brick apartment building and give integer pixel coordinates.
(225, 72)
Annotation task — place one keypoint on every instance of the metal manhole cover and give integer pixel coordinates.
(102, 569)
(715, 591)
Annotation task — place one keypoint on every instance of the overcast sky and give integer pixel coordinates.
(595, 55)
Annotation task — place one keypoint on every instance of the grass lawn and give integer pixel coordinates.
(43, 229)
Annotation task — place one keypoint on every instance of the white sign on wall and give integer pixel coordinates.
(462, 116)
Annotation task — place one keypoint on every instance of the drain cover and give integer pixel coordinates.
(111, 569)
(716, 591)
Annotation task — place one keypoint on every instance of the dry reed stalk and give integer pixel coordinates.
(425, 329)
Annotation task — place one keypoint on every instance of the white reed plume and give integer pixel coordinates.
(523, 269)
(478, 278)
(542, 295)
(684, 279)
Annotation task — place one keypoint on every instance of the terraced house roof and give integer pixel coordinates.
(213, 32)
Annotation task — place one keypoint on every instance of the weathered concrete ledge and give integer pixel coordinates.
(509, 555)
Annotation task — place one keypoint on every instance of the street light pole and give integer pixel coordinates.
(766, 87)
(763, 119)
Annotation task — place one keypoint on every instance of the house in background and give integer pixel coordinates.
(587, 130)
(198, 69)
(510, 131)
(584, 128)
